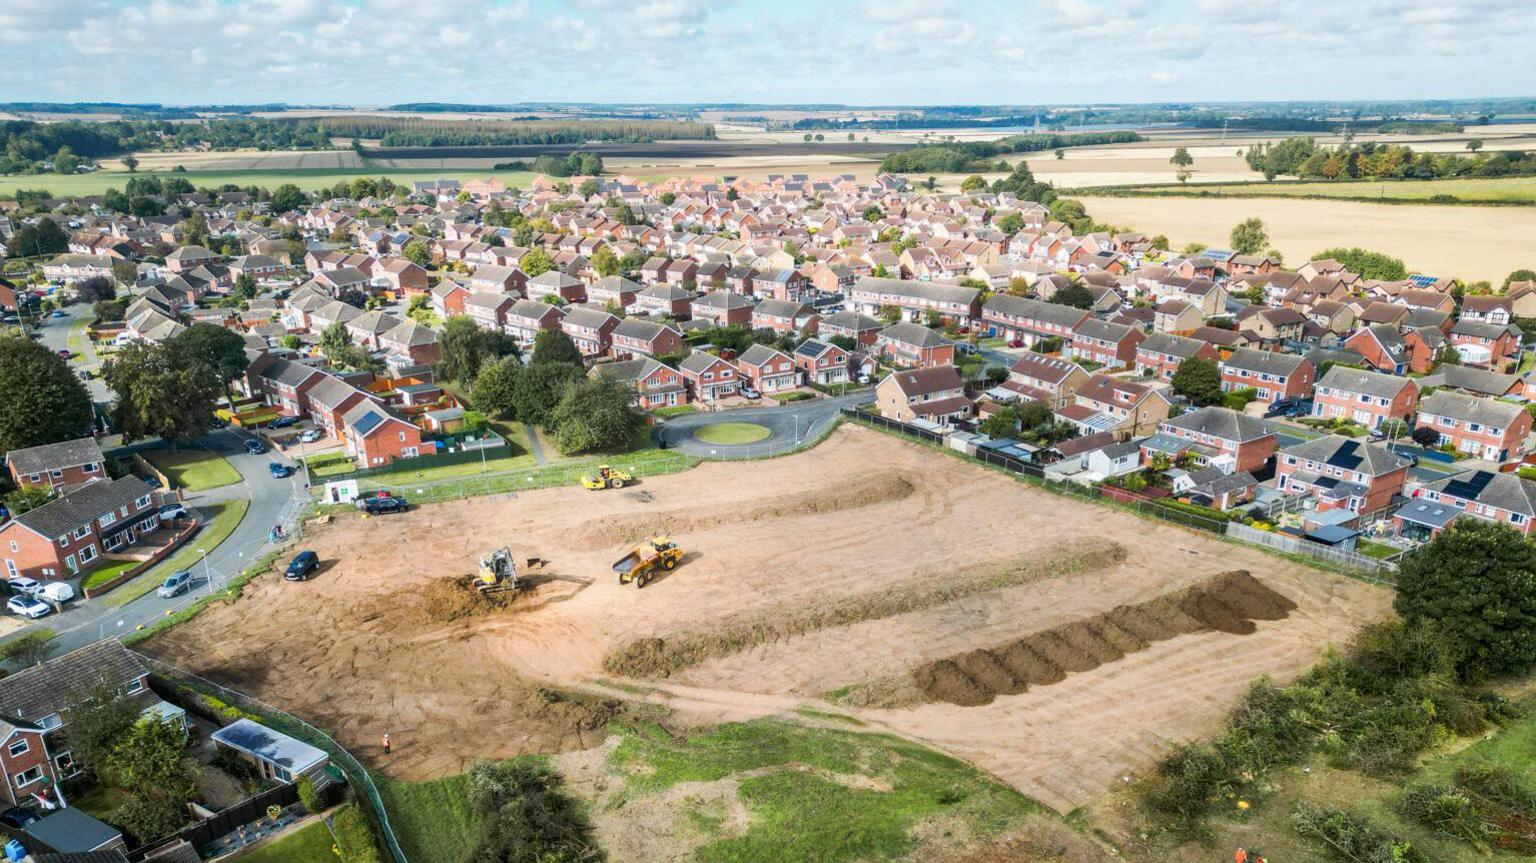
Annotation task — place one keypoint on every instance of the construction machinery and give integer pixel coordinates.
(498, 571)
(640, 565)
(607, 477)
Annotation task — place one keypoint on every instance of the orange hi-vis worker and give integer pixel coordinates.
(387, 748)
(1240, 856)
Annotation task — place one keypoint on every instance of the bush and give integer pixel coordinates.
(309, 796)
(525, 817)
(1186, 788)
(1350, 838)
(354, 841)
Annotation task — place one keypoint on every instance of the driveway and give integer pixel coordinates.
(272, 502)
(791, 426)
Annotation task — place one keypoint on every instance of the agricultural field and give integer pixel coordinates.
(242, 160)
(1056, 645)
(1452, 240)
(1500, 190)
(308, 179)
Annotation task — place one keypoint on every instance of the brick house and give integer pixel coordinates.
(669, 300)
(1342, 473)
(1176, 316)
(619, 291)
(1494, 346)
(448, 299)
(1276, 376)
(1387, 350)
(785, 316)
(1504, 498)
(489, 310)
(55, 465)
(915, 299)
(555, 283)
(935, 394)
(708, 377)
(527, 318)
(908, 344)
(1484, 428)
(863, 329)
(1112, 346)
(1364, 397)
(494, 278)
(1029, 320)
(67, 536)
(1219, 434)
(822, 362)
(591, 330)
(640, 337)
(403, 277)
(1160, 354)
(1051, 381)
(767, 370)
(723, 309)
(410, 339)
(286, 385)
(1120, 407)
(375, 435)
(655, 385)
(331, 399)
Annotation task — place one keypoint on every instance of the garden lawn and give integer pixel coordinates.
(311, 843)
(106, 572)
(732, 433)
(193, 469)
(674, 411)
(431, 820)
(226, 517)
(101, 801)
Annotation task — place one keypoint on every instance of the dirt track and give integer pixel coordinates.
(943, 558)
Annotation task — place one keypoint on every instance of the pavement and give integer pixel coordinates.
(792, 426)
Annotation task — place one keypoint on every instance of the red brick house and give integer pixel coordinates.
(375, 435)
(1387, 350)
(935, 394)
(1051, 381)
(527, 318)
(1493, 346)
(1364, 397)
(489, 310)
(55, 465)
(555, 283)
(1219, 433)
(410, 339)
(708, 377)
(863, 329)
(286, 385)
(1112, 346)
(1029, 320)
(1161, 354)
(914, 345)
(822, 362)
(615, 290)
(1342, 473)
(785, 316)
(591, 330)
(26, 761)
(1488, 429)
(915, 299)
(448, 299)
(331, 399)
(669, 300)
(67, 536)
(1117, 406)
(1276, 376)
(640, 337)
(723, 309)
(767, 370)
(1504, 498)
(655, 385)
(404, 277)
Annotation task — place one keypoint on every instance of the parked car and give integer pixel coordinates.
(173, 511)
(303, 563)
(25, 586)
(381, 505)
(56, 313)
(254, 446)
(29, 607)
(749, 393)
(310, 435)
(284, 422)
(1281, 407)
(178, 582)
(85, 374)
(57, 591)
(16, 817)
(279, 470)
(64, 352)
(1016, 343)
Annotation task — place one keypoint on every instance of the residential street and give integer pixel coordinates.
(792, 425)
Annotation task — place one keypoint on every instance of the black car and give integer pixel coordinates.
(17, 817)
(284, 422)
(381, 505)
(303, 563)
(254, 446)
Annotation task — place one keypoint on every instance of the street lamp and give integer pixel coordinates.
(101, 631)
(207, 572)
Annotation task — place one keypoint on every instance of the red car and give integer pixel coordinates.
(1016, 343)
(64, 353)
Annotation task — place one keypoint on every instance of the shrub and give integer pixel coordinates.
(1349, 837)
(309, 796)
(1186, 788)
(354, 841)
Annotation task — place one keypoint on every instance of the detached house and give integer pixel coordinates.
(655, 385)
(908, 344)
(767, 370)
(1484, 428)
(935, 394)
(708, 377)
(785, 316)
(67, 536)
(1342, 473)
(822, 362)
(1276, 376)
(1223, 438)
(1120, 407)
(375, 435)
(57, 465)
(1364, 397)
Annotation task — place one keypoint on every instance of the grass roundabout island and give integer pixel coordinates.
(732, 434)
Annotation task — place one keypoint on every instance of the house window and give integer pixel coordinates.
(87, 553)
(28, 776)
(18, 748)
(56, 473)
(14, 546)
(36, 477)
(82, 532)
(65, 764)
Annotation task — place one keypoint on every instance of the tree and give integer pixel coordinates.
(1249, 237)
(335, 339)
(125, 272)
(524, 817)
(29, 648)
(26, 498)
(595, 414)
(496, 388)
(151, 757)
(194, 231)
(1061, 154)
(161, 392)
(605, 262)
(1366, 264)
(1426, 436)
(536, 263)
(972, 183)
(287, 197)
(1477, 582)
(461, 349)
(1521, 275)
(417, 252)
(1075, 295)
(100, 717)
(1181, 175)
(40, 240)
(1001, 424)
(667, 199)
(539, 389)
(94, 289)
(41, 400)
(1011, 223)
(131, 162)
(588, 188)
(554, 346)
(1199, 380)
(148, 818)
(219, 348)
(873, 214)
(1474, 145)
(1181, 158)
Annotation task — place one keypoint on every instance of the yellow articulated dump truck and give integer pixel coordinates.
(640, 565)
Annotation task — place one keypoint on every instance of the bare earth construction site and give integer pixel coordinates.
(1057, 644)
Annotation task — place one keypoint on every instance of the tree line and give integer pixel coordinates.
(1304, 158)
(960, 157)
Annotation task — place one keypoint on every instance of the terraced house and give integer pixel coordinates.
(1030, 321)
(1223, 438)
(1484, 428)
(1112, 346)
(1364, 397)
(640, 337)
(1160, 354)
(955, 303)
(1051, 381)
(1275, 376)
(69, 535)
(1342, 473)
(1120, 407)
(591, 330)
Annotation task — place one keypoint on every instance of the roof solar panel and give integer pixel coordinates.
(1470, 488)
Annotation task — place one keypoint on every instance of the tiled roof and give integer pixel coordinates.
(53, 686)
(84, 505)
(51, 456)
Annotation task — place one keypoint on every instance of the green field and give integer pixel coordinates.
(1496, 190)
(193, 469)
(311, 843)
(431, 820)
(308, 179)
(732, 434)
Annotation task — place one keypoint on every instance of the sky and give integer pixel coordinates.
(856, 52)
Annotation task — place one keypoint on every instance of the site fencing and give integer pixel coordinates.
(367, 793)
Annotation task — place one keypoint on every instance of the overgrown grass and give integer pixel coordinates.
(226, 517)
(432, 820)
(311, 843)
(645, 463)
(193, 469)
(820, 794)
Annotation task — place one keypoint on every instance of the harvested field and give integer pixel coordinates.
(831, 570)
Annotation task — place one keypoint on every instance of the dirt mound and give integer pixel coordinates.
(454, 598)
(1229, 602)
(860, 492)
(653, 657)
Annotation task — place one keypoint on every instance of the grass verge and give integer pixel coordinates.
(226, 517)
(732, 434)
(193, 469)
(106, 572)
(432, 820)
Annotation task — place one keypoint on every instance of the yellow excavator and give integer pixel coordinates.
(498, 571)
(607, 477)
(640, 565)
